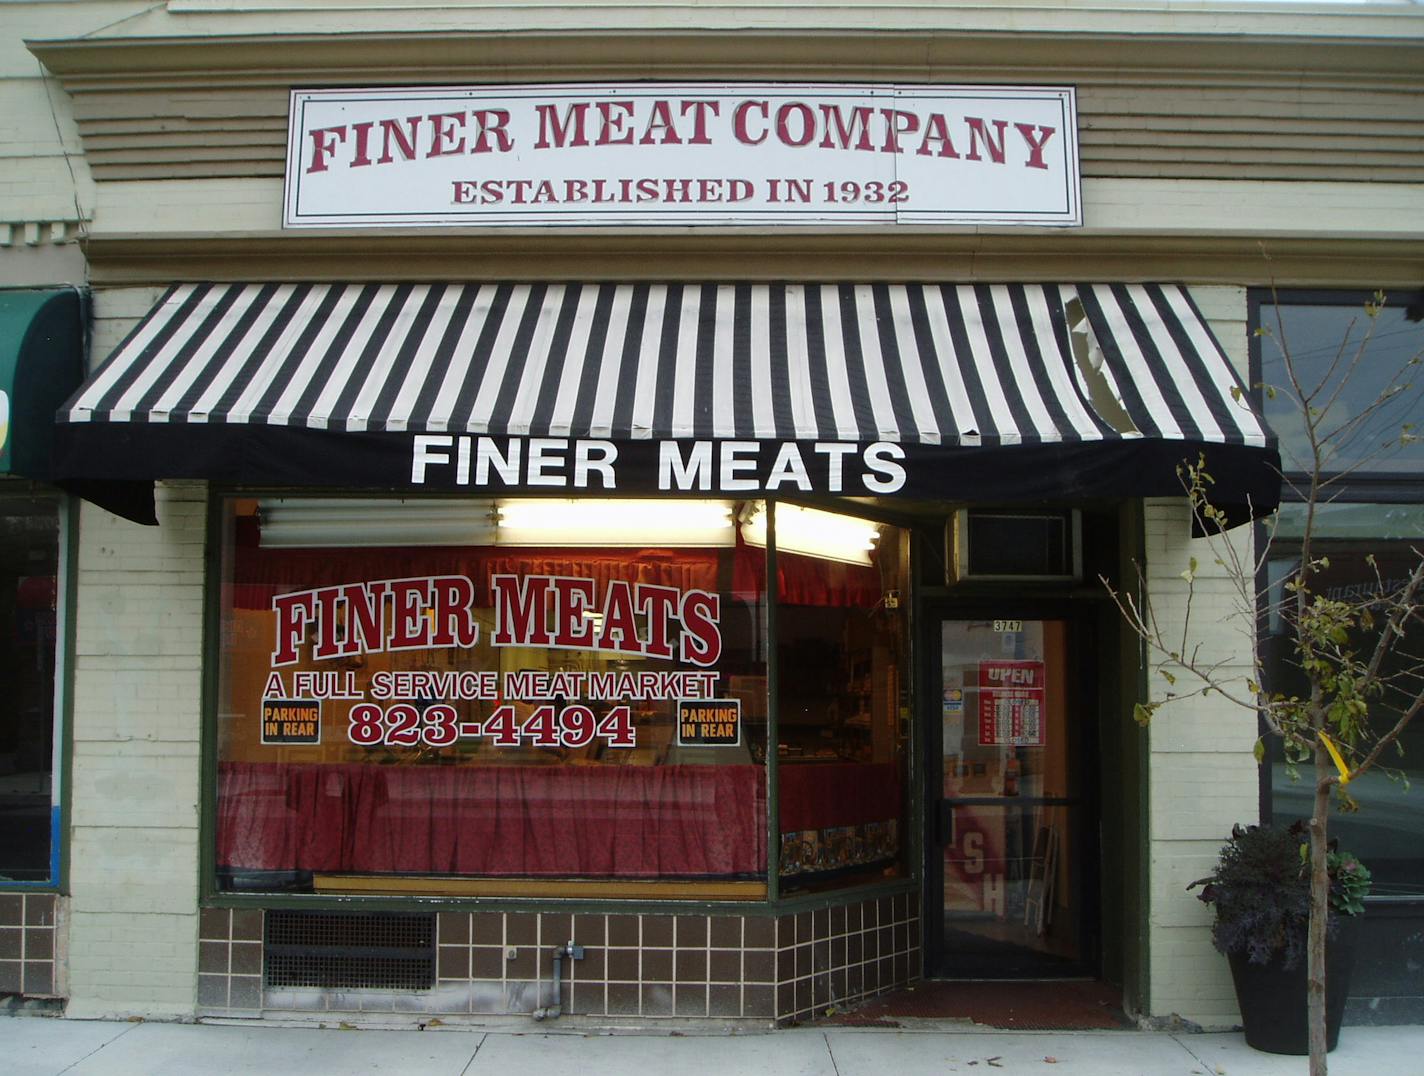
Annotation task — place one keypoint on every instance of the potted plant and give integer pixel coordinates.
(1261, 892)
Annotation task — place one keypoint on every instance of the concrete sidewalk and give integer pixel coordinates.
(38, 1046)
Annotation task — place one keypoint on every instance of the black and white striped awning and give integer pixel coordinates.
(1096, 389)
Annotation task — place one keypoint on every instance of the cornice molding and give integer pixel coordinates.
(430, 58)
(1378, 261)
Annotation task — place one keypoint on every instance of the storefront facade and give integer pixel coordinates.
(42, 333)
(707, 607)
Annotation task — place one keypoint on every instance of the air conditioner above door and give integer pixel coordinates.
(1014, 545)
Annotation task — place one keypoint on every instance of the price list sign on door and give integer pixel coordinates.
(1011, 703)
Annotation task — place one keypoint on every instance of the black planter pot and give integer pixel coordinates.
(1273, 999)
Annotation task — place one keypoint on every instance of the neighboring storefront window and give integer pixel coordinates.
(29, 596)
(430, 695)
(1373, 508)
(842, 652)
(1359, 371)
(1388, 830)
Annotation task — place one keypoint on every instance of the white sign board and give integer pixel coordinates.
(684, 154)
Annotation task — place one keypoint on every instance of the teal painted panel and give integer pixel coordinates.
(41, 364)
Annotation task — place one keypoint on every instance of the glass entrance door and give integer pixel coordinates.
(1007, 842)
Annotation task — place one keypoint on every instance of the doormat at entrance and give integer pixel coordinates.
(1011, 1006)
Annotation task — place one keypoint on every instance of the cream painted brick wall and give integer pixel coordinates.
(1189, 975)
(1175, 866)
(1201, 779)
(1202, 776)
(1199, 795)
(137, 727)
(1225, 310)
(44, 176)
(116, 312)
(135, 964)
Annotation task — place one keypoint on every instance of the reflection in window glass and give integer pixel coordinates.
(1387, 833)
(1323, 342)
(1008, 732)
(29, 563)
(1024, 753)
(398, 711)
(1358, 521)
(842, 671)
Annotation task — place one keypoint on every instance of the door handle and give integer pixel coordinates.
(944, 823)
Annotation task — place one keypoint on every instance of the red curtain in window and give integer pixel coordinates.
(527, 821)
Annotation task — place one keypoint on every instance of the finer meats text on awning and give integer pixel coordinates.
(458, 461)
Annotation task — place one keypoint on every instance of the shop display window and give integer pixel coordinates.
(1387, 833)
(1373, 508)
(1359, 370)
(454, 696)
(29, 596)
(842, 693)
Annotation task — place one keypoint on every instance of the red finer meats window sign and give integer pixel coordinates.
(530, 707)
(666, 154)
(1011, 703)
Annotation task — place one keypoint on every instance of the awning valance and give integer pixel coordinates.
(996, 392)
(41, 363)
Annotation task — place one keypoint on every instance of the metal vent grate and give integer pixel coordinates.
(350, 950)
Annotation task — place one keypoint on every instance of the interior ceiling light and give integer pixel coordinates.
(311, 522)
(595, 522)
(814, 533)
(308, 522)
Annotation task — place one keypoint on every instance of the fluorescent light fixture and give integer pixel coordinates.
(310, 522)
(602, 522)
(815, 533)
(313, 522)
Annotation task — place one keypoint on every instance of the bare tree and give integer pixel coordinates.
(1363, 683)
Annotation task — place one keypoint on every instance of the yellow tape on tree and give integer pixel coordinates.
(1335, 754)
